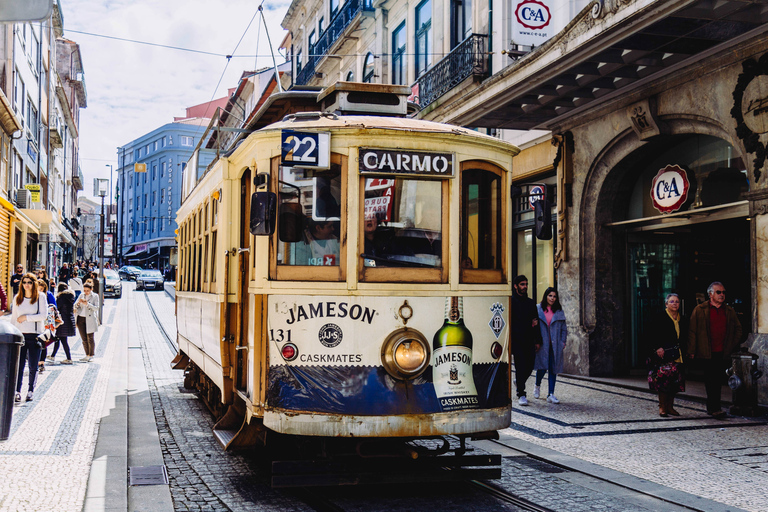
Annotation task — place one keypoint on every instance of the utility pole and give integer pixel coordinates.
(100, 189)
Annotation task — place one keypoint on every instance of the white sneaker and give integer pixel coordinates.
(522, 400)
(553, 399)
(85, 359)
(537, 392)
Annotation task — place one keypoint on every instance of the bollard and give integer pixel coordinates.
(742, 379)
(11, 341)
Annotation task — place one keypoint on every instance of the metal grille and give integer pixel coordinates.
(148, 475)
(468, 59)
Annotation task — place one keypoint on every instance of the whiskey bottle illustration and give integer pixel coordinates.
(452, 360)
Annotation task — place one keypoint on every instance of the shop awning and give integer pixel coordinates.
(578, 70)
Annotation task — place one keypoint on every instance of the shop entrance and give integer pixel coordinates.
(684, 260)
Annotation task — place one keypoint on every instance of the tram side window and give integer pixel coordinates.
(481, 252)
(402, 223)
(309, 211)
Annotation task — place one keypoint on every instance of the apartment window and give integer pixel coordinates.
(162, 142)
(461, 21)
(321, 25)
(423, 36)
(162, 169)
(398, 55)
(368, 68)
(18, 93)
(156, 145)
(137, 179)
(145, 200)
(154, 197)
(162, 196)
(154, 172)
(334, 7)
(32, 120)
(298, 62)
(312, 41)
(186, 141)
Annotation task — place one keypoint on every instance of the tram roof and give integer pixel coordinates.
(325, 121)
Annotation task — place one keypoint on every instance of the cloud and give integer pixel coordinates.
(135, 88)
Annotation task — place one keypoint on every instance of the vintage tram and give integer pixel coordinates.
(343, 283)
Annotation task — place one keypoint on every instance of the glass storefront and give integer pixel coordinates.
(533, 257)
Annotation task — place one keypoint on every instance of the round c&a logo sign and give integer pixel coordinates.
(533, 14)
(669, 189)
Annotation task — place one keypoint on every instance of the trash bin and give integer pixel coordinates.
(742, 379)
(11, 341)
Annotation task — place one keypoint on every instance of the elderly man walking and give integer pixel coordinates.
(714, 333)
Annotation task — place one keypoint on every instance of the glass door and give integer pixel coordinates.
(655, 270)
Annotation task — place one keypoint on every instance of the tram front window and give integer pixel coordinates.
(311, 205)
(402, 223)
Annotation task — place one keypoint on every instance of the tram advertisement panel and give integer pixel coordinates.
(327, 354)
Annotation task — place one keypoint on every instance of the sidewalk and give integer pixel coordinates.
(614, 423)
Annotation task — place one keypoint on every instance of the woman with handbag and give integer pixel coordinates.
(65, 299)
(29, 312)
(86, 318)
(42, 287)
(667, 375)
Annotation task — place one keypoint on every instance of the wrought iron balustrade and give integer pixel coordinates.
(336, 27)
(469, 58)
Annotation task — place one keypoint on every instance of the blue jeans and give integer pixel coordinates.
(552, 377)
(29, 352)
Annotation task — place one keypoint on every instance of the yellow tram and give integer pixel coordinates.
(344, 276)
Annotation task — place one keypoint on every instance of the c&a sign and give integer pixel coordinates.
(669, 189)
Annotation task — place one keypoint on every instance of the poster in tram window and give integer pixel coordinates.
(378, 200)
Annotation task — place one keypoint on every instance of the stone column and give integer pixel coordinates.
(758, 340)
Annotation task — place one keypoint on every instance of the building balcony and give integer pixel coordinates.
(55, 130)
(341, 25)
(78, 179)
(468, 59)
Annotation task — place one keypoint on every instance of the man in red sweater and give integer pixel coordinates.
(714, 333)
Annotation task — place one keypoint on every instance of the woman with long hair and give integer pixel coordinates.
(65, 298)
(86, 316)
(29, 312)
(554, 333)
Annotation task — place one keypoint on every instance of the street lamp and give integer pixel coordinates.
(100, 189)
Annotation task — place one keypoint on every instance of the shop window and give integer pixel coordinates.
(402, 226)
(482, 255)
(308, 241)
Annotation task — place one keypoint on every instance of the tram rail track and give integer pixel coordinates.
(166, 336)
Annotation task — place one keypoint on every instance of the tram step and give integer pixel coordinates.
(438, 475)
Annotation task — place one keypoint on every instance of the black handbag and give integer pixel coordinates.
(672, 353)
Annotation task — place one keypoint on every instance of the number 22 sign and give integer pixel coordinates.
(305, 149)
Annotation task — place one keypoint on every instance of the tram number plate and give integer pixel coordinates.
(305, 149)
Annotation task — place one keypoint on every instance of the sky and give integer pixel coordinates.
(134, 88)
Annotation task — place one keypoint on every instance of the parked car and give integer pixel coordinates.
(129, 272)
(150, 279)
(113, 287)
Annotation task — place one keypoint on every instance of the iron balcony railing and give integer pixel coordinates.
(336, 27)
(468, 59)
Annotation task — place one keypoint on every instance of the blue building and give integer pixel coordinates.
(150, 170)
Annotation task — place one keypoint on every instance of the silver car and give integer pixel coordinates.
(113, 287)
(150, 279)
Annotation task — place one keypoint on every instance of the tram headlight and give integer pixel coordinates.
(405, 354)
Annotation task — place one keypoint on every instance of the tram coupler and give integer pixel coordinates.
(742, 379)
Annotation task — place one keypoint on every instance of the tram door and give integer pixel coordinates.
(243, 276)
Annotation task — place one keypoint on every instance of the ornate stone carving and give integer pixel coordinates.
(758, 202)
(750, 110)
(563, 164)
(642, 116)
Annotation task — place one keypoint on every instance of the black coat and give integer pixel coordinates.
(662, 334)
(66, 305)
(522, 313)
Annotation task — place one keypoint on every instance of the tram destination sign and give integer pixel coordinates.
(399, 161)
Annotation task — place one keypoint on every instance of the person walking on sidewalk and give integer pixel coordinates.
(714, 333)
(29, 312)
(65, 298)
(42, 287)
(554, 333)
(666, 375)
(526, 338)
(86, 315)
(16, 278)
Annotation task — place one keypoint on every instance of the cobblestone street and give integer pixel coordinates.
(603, 448)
